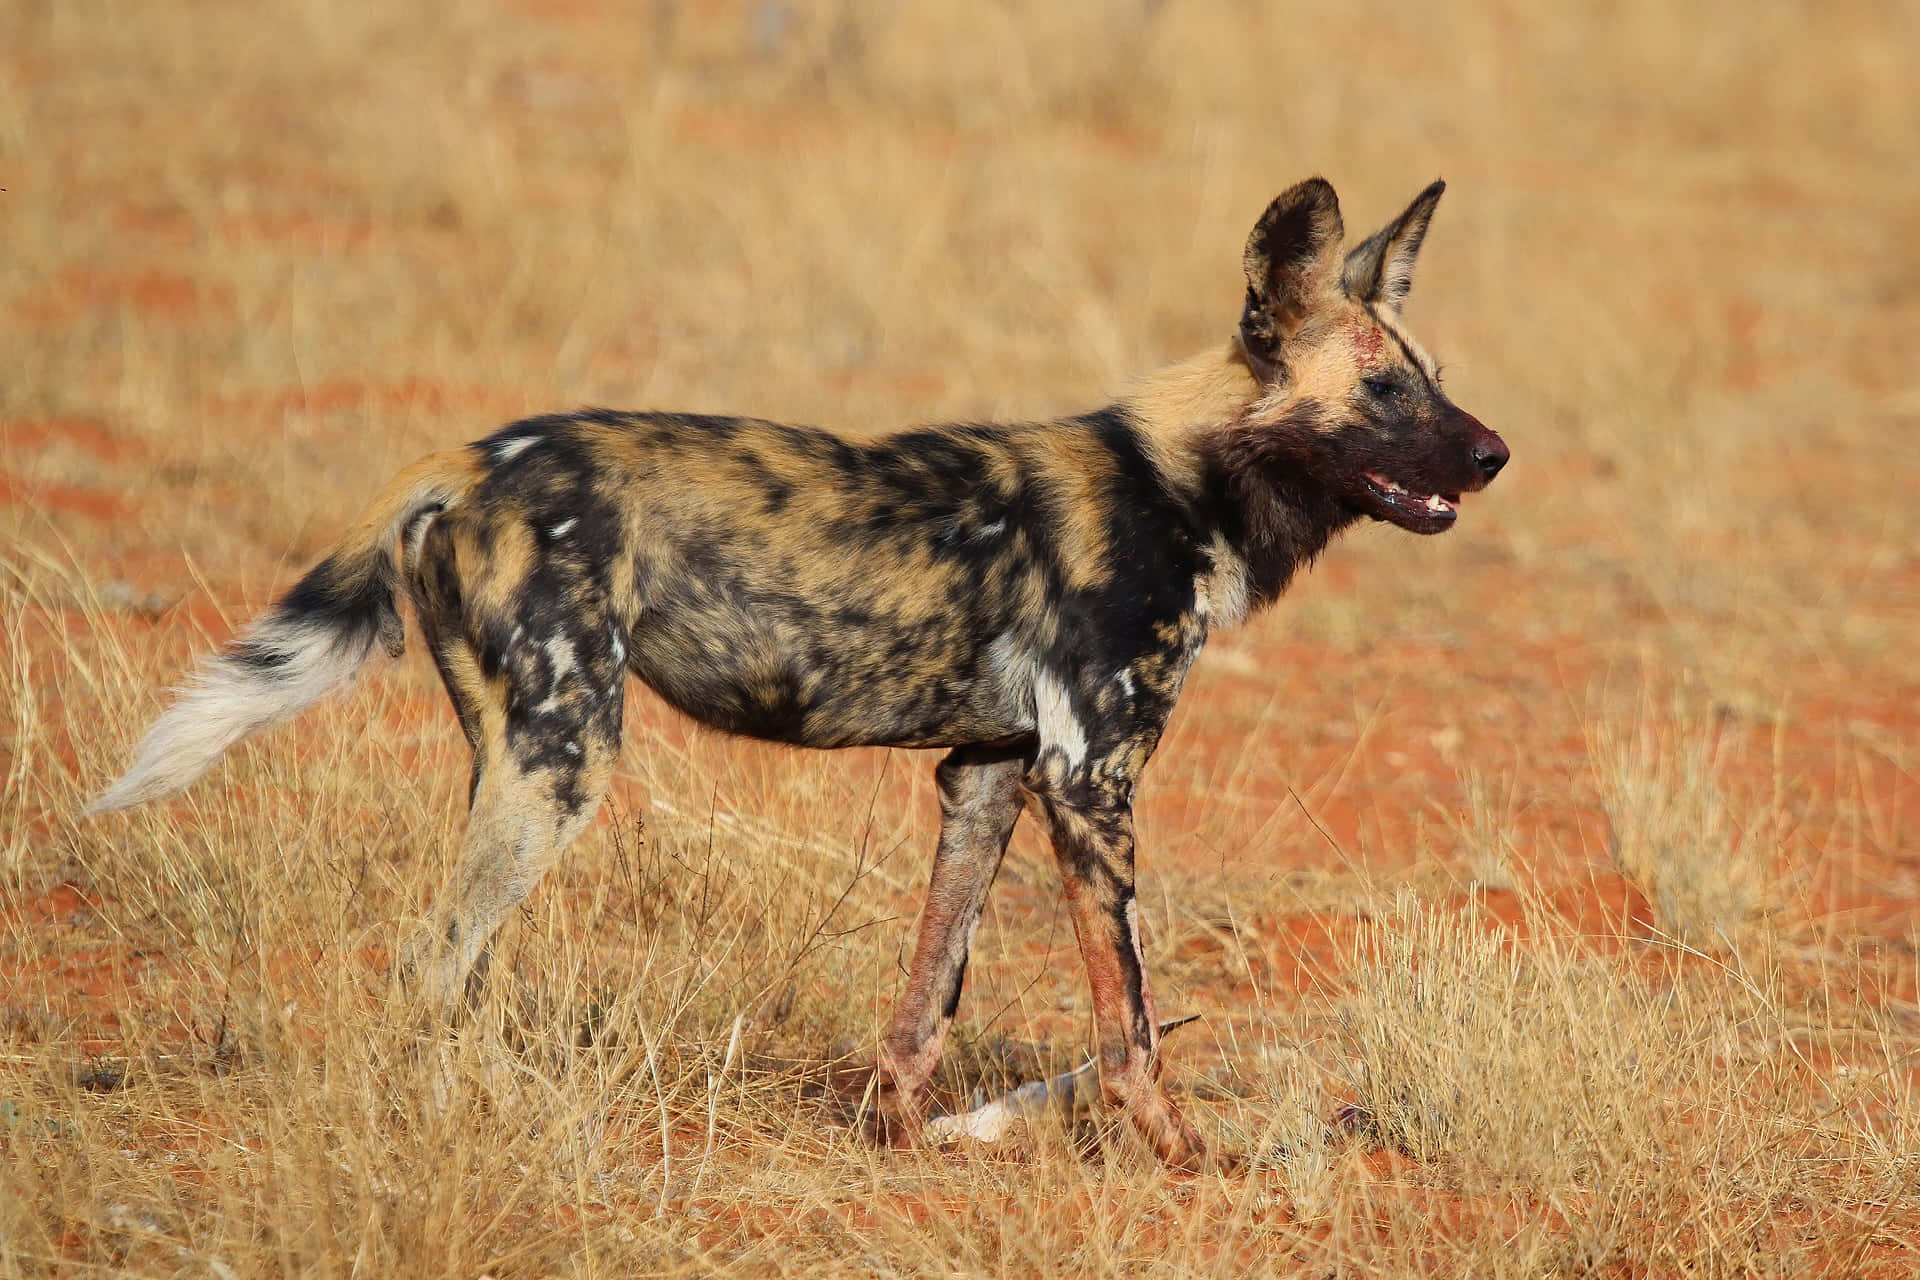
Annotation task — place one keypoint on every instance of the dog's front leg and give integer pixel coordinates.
(980, 802)
(1092, 831)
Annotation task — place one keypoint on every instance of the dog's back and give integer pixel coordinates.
(786, 583)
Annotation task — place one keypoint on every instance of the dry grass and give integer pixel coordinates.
(1699, 856)
(1484, 828)
(258, 256)
(1593, 1095)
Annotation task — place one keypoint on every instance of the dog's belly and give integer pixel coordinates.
(821, 681)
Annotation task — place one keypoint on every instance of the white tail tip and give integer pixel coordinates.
(231, 697)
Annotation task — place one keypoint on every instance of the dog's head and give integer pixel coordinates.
(1352, 404)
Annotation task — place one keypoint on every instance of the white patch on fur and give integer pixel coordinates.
(992, 530)
(1014, 668)
(1009, 659)
(560, 530)
(1221, 595)
(417, 535)
(227, 700)
(508, 450)
(1054, 718)
(560, 656)
(571, 747)
(619, 647)
(1124, 678)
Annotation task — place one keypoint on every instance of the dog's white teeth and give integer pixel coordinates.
(1436, 503)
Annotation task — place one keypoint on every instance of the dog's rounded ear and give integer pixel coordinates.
(1380, 269)
(1292, 255)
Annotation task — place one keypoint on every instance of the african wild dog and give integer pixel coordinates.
(1028, 597)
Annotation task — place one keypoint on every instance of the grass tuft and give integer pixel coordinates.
(1676, 833)
(1497, 1061)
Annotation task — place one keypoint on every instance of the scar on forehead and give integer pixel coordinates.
(1369, 344)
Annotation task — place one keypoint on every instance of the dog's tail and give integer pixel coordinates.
(311, 642)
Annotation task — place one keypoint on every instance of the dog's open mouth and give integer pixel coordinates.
(1420, 512)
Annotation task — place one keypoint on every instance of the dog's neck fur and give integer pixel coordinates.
(1219, 436)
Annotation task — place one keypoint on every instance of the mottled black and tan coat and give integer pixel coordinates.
(1027, 597)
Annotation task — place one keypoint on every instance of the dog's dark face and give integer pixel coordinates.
(1353, 405)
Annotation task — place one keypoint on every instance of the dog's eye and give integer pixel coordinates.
(1382, 388)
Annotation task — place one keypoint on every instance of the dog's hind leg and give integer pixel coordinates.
(524, 816)
(542, 711)
(980, 801)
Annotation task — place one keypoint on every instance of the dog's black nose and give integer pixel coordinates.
(1490, 455)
